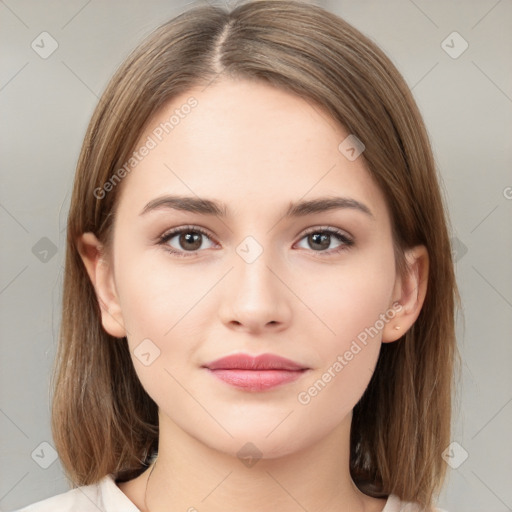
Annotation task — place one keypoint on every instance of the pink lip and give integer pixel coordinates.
(255, 373)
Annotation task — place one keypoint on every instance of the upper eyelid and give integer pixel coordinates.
(184, 229)
(331, 229)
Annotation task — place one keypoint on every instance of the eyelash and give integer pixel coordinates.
(346, 241)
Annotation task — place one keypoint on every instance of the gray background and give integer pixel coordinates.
(46, 104)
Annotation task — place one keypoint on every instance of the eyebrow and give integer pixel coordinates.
(296, 209)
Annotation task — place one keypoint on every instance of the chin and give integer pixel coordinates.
(248, 443)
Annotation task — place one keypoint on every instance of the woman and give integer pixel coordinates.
(259, 292)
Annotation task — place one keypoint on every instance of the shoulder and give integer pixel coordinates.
(104, 495)
(395, 504)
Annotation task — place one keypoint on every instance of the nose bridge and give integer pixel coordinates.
(254, 279)
(257, 297)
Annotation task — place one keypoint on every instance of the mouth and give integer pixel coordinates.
(259, 373)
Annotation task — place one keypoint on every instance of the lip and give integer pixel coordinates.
(258, 373)
(248, 362)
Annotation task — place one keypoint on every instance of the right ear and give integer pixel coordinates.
(102, 279)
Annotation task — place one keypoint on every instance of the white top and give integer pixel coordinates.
(107, 497)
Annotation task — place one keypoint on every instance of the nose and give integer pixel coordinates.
(255, 297)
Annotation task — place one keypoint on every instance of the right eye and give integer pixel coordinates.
(189, 239)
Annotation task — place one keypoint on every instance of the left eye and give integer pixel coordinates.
(320, 239)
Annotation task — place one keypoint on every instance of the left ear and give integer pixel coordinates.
(409, 292)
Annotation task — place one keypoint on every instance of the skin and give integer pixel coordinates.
(256, 149)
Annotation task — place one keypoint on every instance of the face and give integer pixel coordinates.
(316, 286)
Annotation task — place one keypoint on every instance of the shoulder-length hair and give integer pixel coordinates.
(103, 421)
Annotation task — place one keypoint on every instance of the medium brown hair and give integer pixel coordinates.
(103, 420)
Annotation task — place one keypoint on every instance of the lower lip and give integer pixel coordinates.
(257, 380)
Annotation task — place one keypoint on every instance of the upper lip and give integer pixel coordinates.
(248, 362)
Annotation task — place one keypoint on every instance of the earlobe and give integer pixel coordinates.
(410, 291)
(101, 276)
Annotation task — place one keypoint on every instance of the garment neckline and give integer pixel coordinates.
(113, 495)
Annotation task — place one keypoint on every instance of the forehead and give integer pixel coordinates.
(247, 144)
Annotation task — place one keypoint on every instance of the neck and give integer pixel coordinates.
(190, 475)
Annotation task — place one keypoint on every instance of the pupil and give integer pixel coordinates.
(188, 238)
(320, 238)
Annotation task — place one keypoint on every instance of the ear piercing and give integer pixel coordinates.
(397, 327)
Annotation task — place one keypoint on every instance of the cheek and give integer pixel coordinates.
(158, 296)
(349, 298)
(165, 303)
(160, 312)
(349, 308)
